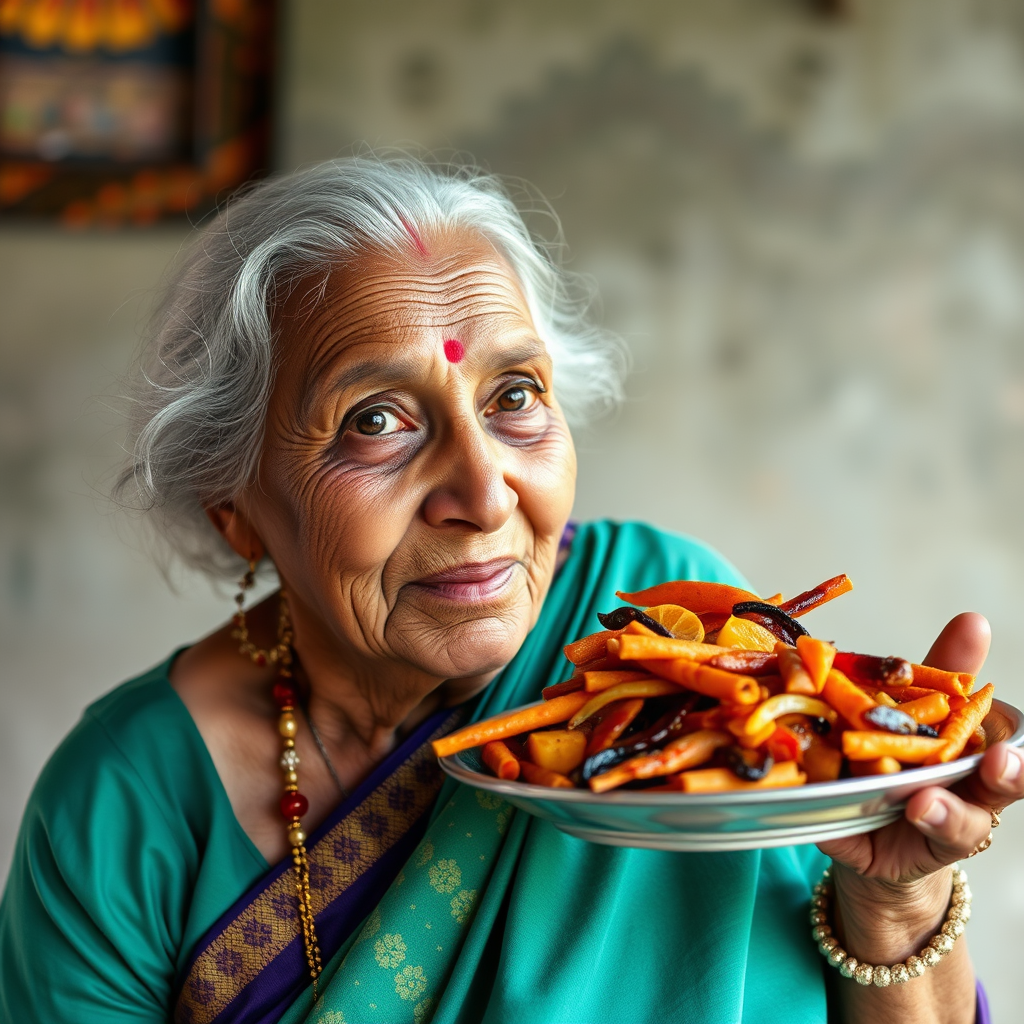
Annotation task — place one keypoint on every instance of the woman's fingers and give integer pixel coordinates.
(963, 644)
(999, 780)
(952, 826)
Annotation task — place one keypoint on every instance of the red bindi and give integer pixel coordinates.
(454, 350)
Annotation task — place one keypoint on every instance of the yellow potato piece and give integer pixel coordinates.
(559, 750)
(745, 634)
(679, 621)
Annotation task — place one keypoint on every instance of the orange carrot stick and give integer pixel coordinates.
(847, 698)
(642, 688)
(793, 671)
(611, 722)
(538, 776)
(817, 656)
(587, 648)
(961, 724)
(697, 596)
(511, 723)
(500, 760)
(803, 603)
(957, 684)
(595, 682)
(720, 780)
(904, 693)
(634, 647)
(868, 746)
(928, 710)
(880, 766)
(686, 752)
(712, 682)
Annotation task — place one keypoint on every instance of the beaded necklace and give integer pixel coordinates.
(293, 804)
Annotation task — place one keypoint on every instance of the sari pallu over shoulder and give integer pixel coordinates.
(251, 966)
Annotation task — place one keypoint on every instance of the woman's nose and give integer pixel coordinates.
(470, 485)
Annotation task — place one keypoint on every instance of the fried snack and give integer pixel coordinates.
(755, 704)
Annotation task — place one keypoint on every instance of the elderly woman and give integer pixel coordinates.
(362, 376)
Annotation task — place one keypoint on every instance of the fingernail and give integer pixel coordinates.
(1012, 767)
(935, 815)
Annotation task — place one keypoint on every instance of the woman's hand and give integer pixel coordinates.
(893, 885)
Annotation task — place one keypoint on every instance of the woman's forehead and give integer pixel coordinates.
(456, 283)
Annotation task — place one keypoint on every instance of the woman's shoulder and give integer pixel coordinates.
(650, 554)
(133, 751)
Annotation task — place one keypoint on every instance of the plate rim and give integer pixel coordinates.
(863, 786)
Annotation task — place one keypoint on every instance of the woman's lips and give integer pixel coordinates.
(471, 583)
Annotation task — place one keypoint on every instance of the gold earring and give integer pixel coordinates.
(281, 653)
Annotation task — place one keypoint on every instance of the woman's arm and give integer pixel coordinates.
(893, 887)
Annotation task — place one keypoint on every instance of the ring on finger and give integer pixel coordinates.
(987, 841)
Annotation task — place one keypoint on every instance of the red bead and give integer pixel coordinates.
(284, 694)
(294, 805)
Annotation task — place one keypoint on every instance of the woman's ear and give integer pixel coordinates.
(234, 526)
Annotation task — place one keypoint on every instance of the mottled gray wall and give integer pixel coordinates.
(810, 231)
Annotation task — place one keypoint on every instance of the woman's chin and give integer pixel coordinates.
(473, 647)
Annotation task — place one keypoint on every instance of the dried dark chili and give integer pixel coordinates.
(822, 726)
(622, 617)
(876, 671)
(748, 764)
(928, 730)
(773, 618)
(667, 728)
(891, 720)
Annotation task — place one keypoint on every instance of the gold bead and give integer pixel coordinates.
(881, 977)
(900, 975)
(942, 943)
(848, 968)
(818, 917)
(915, 966)
(864, 974)
(837, 955)
(819, 902)
(291, 778)
(821, 931)
(287, 726)
(929, 956)
(296, 835)
(954, 928)
(827, 943)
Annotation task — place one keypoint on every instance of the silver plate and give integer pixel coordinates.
(733, 821)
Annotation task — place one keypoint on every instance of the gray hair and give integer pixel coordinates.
(201, 388)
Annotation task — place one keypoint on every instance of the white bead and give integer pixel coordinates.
(290, 759)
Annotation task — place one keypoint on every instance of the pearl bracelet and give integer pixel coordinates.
(914, 966)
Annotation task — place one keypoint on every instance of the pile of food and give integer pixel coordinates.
(702, 688)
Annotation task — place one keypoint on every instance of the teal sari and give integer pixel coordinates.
(496, 916)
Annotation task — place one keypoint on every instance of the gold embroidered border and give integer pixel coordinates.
(264, 928)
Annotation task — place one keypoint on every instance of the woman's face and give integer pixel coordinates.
(417, 471)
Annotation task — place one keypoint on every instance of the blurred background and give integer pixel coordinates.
(806, 218)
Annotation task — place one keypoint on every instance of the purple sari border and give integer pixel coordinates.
(354, 856)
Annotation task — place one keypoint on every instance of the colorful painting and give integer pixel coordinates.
(125, 111)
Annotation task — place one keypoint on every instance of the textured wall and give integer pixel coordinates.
(811, 231)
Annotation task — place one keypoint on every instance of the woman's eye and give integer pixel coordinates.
(376, 421)
(514, 399)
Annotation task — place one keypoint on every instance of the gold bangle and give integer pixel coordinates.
(914, 966)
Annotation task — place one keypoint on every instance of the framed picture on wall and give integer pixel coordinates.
(127, 111)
